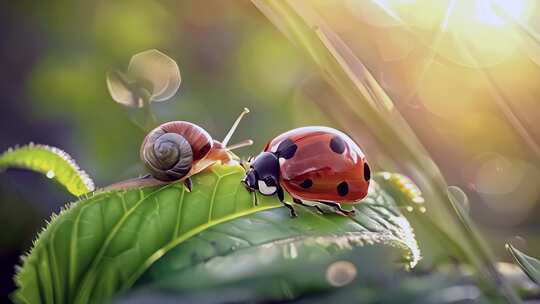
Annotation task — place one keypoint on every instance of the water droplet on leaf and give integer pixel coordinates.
(459, 198)
(341, 273)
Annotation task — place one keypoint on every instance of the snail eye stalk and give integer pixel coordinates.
(243, 143)
(234, 126)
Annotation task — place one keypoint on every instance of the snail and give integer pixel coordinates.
(176, 150)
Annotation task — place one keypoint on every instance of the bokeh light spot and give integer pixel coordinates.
(341, 273)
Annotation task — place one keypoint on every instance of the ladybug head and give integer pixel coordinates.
(263, 174)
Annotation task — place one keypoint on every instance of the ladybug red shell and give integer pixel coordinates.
(312, 163)
(326, 165)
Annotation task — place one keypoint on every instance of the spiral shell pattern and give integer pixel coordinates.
(168, 156)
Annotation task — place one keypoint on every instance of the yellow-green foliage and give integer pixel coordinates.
(50, 161)
(102, 244)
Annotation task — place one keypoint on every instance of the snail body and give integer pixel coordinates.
(176, 150)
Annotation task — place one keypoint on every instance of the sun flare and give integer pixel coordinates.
(496, 12)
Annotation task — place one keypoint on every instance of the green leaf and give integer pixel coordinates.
(528, 264)
(271, 271)
(377, 220)
(406, 192)
(50, 161)
(313, 278)
(276, 257)
(364, 99)
(101, 245)
(410, 200)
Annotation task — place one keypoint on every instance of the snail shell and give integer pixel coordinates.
(170, 150)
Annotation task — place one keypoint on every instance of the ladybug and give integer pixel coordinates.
(318, 164)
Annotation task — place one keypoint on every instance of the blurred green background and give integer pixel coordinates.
(54, 57)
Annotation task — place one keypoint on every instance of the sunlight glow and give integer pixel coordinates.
(387, 8)
(489, 12)
(472, 33)
(486, 10)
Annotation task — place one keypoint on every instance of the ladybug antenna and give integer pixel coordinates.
(231, 132)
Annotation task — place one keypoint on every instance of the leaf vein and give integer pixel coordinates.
(179, 213)
(91, 270)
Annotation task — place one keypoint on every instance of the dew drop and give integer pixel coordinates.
(341, 273)
(418, 200)
(293, 251)
(459, 198)
(50, 174)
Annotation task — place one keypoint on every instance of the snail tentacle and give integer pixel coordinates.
(168, 156)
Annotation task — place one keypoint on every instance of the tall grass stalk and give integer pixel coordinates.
(364, 98)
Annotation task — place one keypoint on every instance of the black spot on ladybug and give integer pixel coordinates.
(286, 149)
(343, 188)
(307, 183)
(337, 144)
(367, 172)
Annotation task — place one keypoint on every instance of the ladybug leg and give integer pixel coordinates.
(281, 197)
(299, 202)
(188, 184)
(291, 208)
(255, 200)
(338, 207)
(253, 193)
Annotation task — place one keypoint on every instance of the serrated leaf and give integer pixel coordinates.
(410, 201)
(101, 245)
(528, 264)
(50, 161)
(364, 99)
(377, 220)
(406, 192)
(290, 254)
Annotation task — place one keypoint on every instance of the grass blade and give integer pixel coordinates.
(50, 161)
(102, 244)
(528, 264)
(367, 100)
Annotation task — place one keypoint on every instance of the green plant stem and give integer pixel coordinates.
(150, 120)
(358, 88)
(140, 91)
